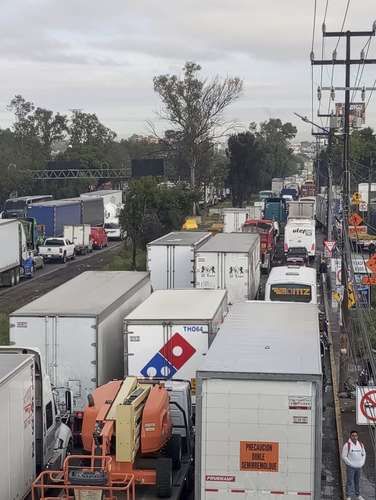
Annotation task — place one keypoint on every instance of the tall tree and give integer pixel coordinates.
(194, 107)
(37, 123)
(86, 129)
(246, 155)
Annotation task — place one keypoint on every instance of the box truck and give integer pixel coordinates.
(78, 328)
(15, 258)
(302, 208)
(233, 219)
(169, 334)
(171, 259)
(32, 433)
(300, 232)
(259, 406)
(232, 262)
(53, 215)
(80, 236)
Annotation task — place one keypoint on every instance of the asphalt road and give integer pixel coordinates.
(54, 275)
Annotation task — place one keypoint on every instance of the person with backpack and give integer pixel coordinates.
(354, 456)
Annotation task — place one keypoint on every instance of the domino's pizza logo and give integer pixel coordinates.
(173, 355)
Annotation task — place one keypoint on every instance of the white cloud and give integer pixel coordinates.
(102, 56)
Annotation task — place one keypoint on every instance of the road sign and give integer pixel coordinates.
(351, 300)
(329, 245)
(355, 219)
(337, 296)
(371, 263)
(356, 198)
(365, 405)
(369, 280)
(363, 207)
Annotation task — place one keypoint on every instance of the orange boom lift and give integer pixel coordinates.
(127, 431)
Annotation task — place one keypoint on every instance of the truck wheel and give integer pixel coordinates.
(164, 477)
(174, 450)
(64, 259)
(12, 278)
(17, 276)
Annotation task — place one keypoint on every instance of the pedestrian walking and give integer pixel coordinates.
(354, 456)
(371, 249)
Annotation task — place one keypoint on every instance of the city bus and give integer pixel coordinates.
(292, 284)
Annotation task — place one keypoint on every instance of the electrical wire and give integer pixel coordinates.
(366, 47)
(335, 51)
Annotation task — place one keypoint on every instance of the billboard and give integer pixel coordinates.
(148, 167)
(357, 113)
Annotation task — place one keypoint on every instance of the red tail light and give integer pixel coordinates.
(313, 247)
(286, 247)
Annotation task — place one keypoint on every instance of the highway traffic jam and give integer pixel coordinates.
(188, 380)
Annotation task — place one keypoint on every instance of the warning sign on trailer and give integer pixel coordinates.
(259, 456)
(365, 405)
(300, 403)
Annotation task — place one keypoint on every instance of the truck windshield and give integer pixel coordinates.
(54, 242)
(291, 292)
(110, 225)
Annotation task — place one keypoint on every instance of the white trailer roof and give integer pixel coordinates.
(4, 222)
(231, 242)
(179, 305)
(266, 338)
(181, 238)
(89, 294)
(9, 363)
(293, 274)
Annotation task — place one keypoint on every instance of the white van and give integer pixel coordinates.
(300, 232)
(292, 284)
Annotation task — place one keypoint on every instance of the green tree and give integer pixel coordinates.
(194, 107)
(246, 155)
(37, 123)
(153, 209)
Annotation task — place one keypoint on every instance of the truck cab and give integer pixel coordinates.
(52, 437)
(265, 228)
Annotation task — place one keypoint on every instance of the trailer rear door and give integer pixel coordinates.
(257, 439)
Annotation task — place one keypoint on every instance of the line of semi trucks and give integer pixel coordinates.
(172, 378)
(37, 229)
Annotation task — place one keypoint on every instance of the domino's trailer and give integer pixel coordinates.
(78, 327)
(168, 335)
(171, 259)
(230, 261)
(259, 406)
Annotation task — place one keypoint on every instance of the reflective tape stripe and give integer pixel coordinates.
(237, 491)
(211, 490)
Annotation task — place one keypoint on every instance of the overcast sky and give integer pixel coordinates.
(101, 56)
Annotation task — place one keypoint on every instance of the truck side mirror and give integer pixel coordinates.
(68, 401)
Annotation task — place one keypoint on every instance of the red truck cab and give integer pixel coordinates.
(265, 228)
(98, 237)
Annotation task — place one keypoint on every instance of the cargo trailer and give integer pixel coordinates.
(231, 262)
(15, 260)
(171, 259)
(259, 406)
(53, 215)
(301, 208)
(80, 236)
(301, 232)
(168, 335)
(78, 328)
(32, 434)
(233, 219)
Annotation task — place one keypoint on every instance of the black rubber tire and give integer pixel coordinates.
(64, 259)
(174, 451)
(12, 278)
(17, 276)
(164, 477)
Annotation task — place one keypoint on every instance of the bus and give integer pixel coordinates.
(16, 208)
(292, 284)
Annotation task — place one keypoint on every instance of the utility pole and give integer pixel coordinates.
(370, 167)
(347, 62)
(330, 187)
